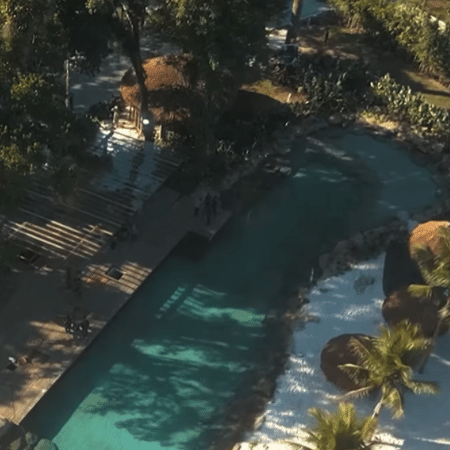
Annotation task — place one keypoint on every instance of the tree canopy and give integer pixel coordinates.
(36, 128)
(219, 33)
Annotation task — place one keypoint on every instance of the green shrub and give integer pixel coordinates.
(338, 85)
(332, 85)
(410, 26)
(401, 102)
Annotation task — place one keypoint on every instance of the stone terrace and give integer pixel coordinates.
(35, 298)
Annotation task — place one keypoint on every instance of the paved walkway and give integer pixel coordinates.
(31, 322)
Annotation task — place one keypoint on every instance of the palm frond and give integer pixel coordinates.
(355, 372)
(368, 428)
(444, 242)
(341, 430)
(381, 364)
(420, 290)
(366, 353)
(444, 312)
(425, 259)
(422, 387)
(435, 269)
(394, 401)
(358, 393)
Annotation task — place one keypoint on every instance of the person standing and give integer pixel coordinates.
(115, 116)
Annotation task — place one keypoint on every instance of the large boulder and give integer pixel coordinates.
(338, 351)
(400, 270)
(422, 311)
(428, 234)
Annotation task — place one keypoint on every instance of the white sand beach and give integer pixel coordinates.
(343, 309)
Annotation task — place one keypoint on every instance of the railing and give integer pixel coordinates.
(134, 116)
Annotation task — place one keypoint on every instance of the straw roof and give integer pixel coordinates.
(338, 351)
(400, 270)
(401, 305)
(175, 92)
(427, 234)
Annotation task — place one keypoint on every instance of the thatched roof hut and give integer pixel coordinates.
(401, 305)
(338, 351)
(400, 270)
(427, 234)
(175, 89)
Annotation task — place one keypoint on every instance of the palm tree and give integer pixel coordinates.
(435, 269)
(384, 367)
(341, 430)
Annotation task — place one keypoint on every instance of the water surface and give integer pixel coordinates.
(148, 384)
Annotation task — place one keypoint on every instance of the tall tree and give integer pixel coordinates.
(32, 34)
(220, 34)
(225, 39)
(126, 18)
(384, 367)
(87, 34)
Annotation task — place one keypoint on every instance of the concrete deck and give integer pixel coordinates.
(35, 302)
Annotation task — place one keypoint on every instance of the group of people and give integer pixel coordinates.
(79, 328)
(127, 230)
(210, 203)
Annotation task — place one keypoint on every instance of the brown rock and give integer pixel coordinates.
(438, 147)
(338, 351)
(401, 305)
(399, 269)
(427, 234)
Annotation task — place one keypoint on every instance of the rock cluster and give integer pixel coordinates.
(368, 244)
(359, 247)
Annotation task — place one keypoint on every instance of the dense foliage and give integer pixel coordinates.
(328, 82)
(337, 85)
(221, 35)
(407, 26)
(399, 101)
(37, 130)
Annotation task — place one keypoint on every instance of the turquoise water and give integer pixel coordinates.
(403, 185)
(149, 384)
